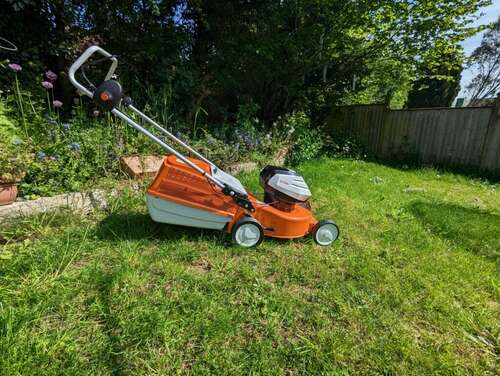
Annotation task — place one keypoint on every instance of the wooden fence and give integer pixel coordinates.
(465, 136)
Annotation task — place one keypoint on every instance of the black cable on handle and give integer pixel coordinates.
(91, 85)
(94, 62)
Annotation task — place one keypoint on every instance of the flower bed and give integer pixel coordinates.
(70, 148)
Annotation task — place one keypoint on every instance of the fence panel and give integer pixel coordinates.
(466, 136)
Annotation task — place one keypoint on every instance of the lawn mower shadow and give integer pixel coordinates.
(139, 226)
(475, 230)
(122, 226)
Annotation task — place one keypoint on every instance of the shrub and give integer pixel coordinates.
(8, 131)
(65, 160)
(343, 147)
(307, 142)
(13, 161)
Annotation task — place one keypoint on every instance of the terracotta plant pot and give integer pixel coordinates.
(8, 193)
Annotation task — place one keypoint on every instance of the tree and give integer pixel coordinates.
(438, 81)
(219, 55)
(486, 61)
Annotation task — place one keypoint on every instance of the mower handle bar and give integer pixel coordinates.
(83, 59)
(114, 63)
(160, 142)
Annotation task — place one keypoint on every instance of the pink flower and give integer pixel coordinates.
(15, 67)
(57, 104)
(51, 76)
(47, 85)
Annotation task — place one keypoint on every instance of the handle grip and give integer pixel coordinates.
(83, 59)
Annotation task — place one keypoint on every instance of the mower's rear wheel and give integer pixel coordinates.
(247, 232)
(325, 232)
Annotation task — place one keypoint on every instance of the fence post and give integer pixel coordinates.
(381, 129)
(490, 133)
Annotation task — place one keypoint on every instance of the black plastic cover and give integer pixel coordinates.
(113, 90)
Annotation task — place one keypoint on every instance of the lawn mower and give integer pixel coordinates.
(193, 191)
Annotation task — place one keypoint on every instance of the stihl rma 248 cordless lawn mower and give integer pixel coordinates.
(193, 191)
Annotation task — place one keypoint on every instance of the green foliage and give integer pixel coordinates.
(8, 131)
(307, 141)
(13, 161)
(343, 147)
(13, 154)
(438, 82)
(217, 55)
(69, 155)
(69, 160)
(58, 155)
(410, 288)
(388, 82)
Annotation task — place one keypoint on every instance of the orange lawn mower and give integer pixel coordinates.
(195, 192)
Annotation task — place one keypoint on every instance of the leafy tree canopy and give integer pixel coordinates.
(219, 55)
(438, 80)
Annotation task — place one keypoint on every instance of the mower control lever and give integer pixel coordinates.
(241, 199)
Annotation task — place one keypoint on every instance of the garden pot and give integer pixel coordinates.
(8, 193)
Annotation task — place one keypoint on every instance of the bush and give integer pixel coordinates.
(13, 161)
(8, 131)
(307, 142)
(343, 147)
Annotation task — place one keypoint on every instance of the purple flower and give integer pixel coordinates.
(47, 85)
(57, 104)
(15, 67)
(40, 155)
(18, 142)
(51, 76)
(66, 126)
(74, 146)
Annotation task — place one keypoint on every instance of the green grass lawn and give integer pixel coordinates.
(412, 286)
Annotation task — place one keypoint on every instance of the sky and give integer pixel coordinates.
(490, 14)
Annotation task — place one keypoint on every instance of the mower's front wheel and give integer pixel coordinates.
(247, 232)
(325, 232)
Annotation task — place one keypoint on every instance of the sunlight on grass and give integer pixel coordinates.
(410, 288)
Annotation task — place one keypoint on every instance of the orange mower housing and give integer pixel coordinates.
(178, 183)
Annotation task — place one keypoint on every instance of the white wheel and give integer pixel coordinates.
(247, 232)
(325, 233)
